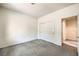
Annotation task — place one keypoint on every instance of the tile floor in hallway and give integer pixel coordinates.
(35, 48)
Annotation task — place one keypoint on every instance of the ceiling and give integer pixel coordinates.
(36, 10)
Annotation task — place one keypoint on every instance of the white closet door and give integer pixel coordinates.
(46, 28)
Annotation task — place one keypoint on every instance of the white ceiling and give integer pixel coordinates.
(37, 10)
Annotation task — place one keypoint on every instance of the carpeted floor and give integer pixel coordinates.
(35, 48)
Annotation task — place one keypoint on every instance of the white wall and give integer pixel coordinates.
(16, 28)
(55, 19)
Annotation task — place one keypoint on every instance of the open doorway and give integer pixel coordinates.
(69, 33)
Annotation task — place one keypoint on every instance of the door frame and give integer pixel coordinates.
(62, 27)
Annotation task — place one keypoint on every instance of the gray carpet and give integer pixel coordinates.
(34, 48)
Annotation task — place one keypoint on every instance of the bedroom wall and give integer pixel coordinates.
(16, 27)
(54, 19)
